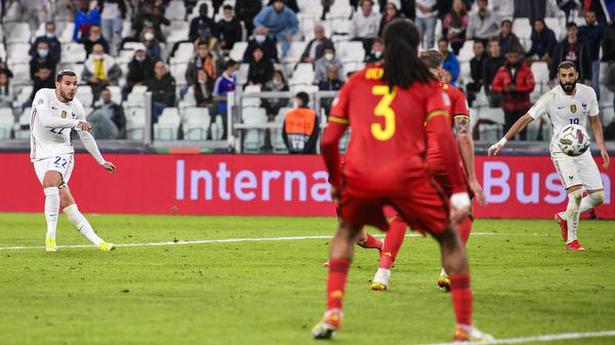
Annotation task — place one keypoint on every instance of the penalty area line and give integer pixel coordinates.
(227, 240)
(539, 338)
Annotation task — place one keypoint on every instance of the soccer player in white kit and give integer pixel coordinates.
(569, 103)
(55, 113)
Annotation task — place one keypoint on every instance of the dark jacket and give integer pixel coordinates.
(608, 44)
(506, 42)
(229, 32)
(55, 47)
(592, 36)
(260, 72)
(139, 72)
(156, 20)
(490, 69)
(476, 69)
(163, 90)
(300, 131)
(88, 45)
(320, 49)
(202, 28)
(542, 42)
(582, 59)
(37, 64)
(522, 79)
(268, 46)
(203, 97)
(330, 85)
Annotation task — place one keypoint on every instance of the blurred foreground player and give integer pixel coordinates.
(460, 119)
(55, 113)
(388, 109)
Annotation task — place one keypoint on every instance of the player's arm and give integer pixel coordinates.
(330, 149)
(599, 137)
(90, 144)
(466, 148)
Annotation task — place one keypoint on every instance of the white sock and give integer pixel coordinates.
(590, 201)
(81, 224)
(443, 272)
(52, 207)
(572, 214)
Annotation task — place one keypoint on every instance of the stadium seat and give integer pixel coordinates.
(7, 121)
(305, 88)
(277, 141)
(465, 74)
(238, 50)
(66, 35)
(85, 95)
(304, 74)
(351, 67)
(116, 93)
(295, 51)
(18, 52)
(242, 73)
(184, 52)
(135, 123)
(555, 25)
(466, 53)
(176, 10)
(522, 28)
(540, 71)
(217, 128)
(19, 33)
(21, 74)
(351, 51)
(188, 100)
(196, 123)
(251, 101)
(253, 116)
(168, 124)
(178, 71)
(73, 53)
(23, 96)
(279, 118)
(339, 9)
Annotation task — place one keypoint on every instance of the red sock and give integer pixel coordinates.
(462, 298)
(336, 285)
(371, 242)
(392, 242)
(465, 227)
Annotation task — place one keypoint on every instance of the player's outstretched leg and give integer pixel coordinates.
(51, 181)
(569, 219)
(339, 263)
(80, 223)
(455, 261)
(392, 242)
(367, 241)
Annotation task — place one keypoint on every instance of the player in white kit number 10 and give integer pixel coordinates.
(569, 103)
(55, 113)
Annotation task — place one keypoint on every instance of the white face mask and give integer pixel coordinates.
(148, 36)
(97, 56)
(260, 38)
(329, 56)
(377, 54)
(43, 52)
(140, 58)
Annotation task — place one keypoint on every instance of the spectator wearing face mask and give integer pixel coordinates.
(140, 69)
(148, 38)
(316, 47)
(229, 28)
(202, 88)
(100, 70)
(321, 65)
(276, 84)
(264, 42)
(42, 69)
(333, 83)
(202, 27)
(281, 22)
(162, 86)
(53, 44)
(94, 37)
(202, 60)
(108, 119)
(150, 17)
(376, 54)
(226, 82)
(301, 129)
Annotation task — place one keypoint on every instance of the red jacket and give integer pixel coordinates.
(518, 100)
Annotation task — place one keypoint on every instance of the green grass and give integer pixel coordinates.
(273, 292)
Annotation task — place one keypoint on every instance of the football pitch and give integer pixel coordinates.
(260, 280)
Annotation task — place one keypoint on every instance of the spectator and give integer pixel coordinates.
(281, 22)
(455, 25)
(476, 71)
(572, 49)
(567, 6)
(316, 47)
(140, 69)
(515, 82)
(149, 40)
(492, 64)
(5, 69)
(484, 23)
(84, 19)
(300, 131)
(592, 34)
(53, 44)
(6, 92)
(390, 12)
(376, 54)
(365, 24)
(328, 59)
(150, 17)
(202, 88)
(246, 11)
(202, 27)
(35, 12)
(608, 43)
(229, 29)
(333, 83)
(100, 70)
(277, 84)
(543, 42)
(94, 37)
(108, 119)
(426, 19)
(451, 64)
(507, 38)
(264, 42)
(261, 69)
(292, 4)
(162, 86)
(202, 60)
(226, 82)
(113, 13)
(42, 69)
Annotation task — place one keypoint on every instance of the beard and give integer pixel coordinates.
(567, 87)
(67, 96)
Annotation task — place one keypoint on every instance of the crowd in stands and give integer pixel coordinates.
(192, 53)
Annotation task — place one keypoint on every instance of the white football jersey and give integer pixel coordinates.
(47, 142)
(563, 109)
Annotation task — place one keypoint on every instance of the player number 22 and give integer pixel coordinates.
(386, 131)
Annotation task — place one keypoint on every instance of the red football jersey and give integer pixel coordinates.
(459, 107)
(387, 145)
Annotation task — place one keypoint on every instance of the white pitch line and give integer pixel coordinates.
(228, 240)
(536, 338)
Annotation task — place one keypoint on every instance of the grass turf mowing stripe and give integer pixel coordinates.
(541, 338)
(228, 240)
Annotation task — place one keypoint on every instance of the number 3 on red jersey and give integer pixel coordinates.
(379, 131)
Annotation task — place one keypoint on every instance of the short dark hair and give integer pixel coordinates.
(571, 25)
(566, 64)
(506, 21)
(65, 72)
(432, 58)
(443, 39)
(304, 97)
(230, 63)
(227, 7)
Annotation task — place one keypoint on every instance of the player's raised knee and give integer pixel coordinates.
(597, 198)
